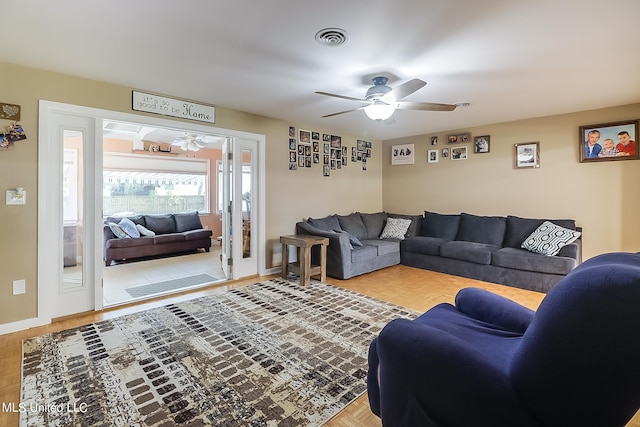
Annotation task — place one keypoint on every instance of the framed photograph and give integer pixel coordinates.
(315, 136)
(304, 136)
(527, 155)
(445, 153)
(481, 144)
(434, 140)
(460, 138)
(432, 156)
(609, 141)
(459, 153)
(402, 154)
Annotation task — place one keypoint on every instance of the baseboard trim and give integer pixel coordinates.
(21, 325)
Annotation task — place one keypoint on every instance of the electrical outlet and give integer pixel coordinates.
(19, 287)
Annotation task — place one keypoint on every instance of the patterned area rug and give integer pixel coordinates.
(169, 285)
(269, 354)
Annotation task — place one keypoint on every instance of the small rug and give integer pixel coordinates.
(269, 354)
(170, 285)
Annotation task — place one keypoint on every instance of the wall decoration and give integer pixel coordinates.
(527, 155)
(481, 144)
(445, 153)
(434, 140)
(13, 133)
(459, 153)
(336, 141)
(315, 136)
(402, 154)
(9, 111)
(326, 137)
(292, 132)
(460, 138)
(304, 136)
(174, 107)
(609, 141)
(432, 156)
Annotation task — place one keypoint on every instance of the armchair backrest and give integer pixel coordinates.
(579, 360)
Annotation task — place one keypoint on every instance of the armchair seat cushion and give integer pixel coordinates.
(521, 259)
(478, 253)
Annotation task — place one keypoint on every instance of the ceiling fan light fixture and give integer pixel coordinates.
(379, 111)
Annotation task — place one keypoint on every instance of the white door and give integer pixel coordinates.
(225, 256)
(67, 196)
(245, 194)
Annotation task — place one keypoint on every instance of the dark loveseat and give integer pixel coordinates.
(479, 247)
(165, 234)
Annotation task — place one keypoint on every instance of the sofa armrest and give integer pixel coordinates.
(494, 309)
(107, 233)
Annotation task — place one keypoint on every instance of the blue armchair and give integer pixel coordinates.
(488, 361)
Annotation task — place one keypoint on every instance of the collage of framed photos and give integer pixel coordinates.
(307, 149)
(481, 144)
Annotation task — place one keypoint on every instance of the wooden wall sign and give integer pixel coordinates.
(173, 107)
(9, 111)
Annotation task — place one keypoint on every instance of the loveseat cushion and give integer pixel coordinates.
(482, 229)
(187, 221)
(439, 225)
(384, 246)
(422, 245)
(521, 259)
(328, 223)
(518, 229)
(414, 228)
(373, 223)
(160, 224)
(353, 225)
(478, 253)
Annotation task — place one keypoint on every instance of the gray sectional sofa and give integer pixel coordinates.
(486, 248)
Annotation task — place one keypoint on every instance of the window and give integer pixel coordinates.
(246, 185)
(152, 184)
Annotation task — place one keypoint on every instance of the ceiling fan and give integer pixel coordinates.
(381, 100)
(190, 142)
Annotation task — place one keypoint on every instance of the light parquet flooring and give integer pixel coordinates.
(406, 286)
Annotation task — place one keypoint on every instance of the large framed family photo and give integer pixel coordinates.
(609, 141)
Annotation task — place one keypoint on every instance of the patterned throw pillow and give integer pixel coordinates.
(117, 231)
(129, 227)
(395, 228)
(549, 238)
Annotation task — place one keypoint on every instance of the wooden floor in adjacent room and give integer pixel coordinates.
(406, 286)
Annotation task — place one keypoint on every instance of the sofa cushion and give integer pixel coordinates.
(129, 227)
(373, 223)
(440, 225)
(363, 253)
(129, 243)
(353, 240)
(384, 246)
(422, 245)
(518, 229)
(160, 224)
(395, 228)
(478, 253)
(549, 238)
(353, 225)
(482, 229)
(187, 221)
(328, 223)
(521, 259)
(416, 222)
(168, 238)
(118, 231)
(197, 234)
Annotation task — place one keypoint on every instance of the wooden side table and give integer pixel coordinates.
(303, 267)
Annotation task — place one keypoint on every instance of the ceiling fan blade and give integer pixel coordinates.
(403, 90)
(427, 106)
(343, 112)
(342, 96)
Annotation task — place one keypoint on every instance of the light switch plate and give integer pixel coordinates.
(14, 198)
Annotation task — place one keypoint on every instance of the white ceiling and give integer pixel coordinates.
(510, 59)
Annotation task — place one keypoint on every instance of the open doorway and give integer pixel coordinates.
(166, 182)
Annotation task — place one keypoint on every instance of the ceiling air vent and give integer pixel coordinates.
(332, 37)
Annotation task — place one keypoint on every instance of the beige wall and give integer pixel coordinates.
(291, 195)
(604, 198)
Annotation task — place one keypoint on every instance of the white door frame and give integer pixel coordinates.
(48, 270)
